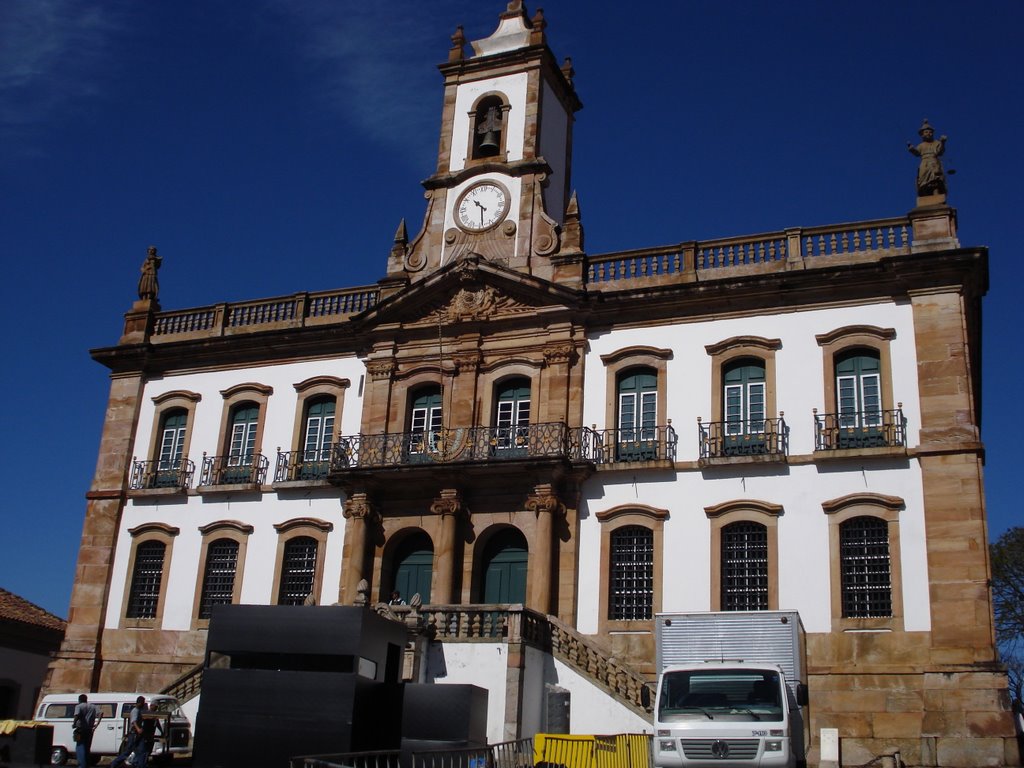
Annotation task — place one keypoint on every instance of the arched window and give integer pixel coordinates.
(219, 576)
(859, 389)
(317, 434)
(245, 418)
(488, 128)
(638, 413)
(147, 577)
(424, 421)
(298, 570)
(744, 567)
(512, 416)
(743, 397)
(865, 567)
(631, 573)
(241, 449)
(172, 438)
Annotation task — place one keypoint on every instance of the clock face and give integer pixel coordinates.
(481, 206)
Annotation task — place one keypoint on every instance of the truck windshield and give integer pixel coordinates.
(719, 693)
(166, 707)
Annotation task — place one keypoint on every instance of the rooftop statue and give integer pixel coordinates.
(931, 180)
(149, 286)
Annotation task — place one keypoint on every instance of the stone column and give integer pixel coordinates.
(360, 515)
(950, 457)
(377, 397)
(545, 504)
(449, 506)
(77, 665)
(558, 360)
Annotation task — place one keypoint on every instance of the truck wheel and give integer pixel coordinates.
(58, 756)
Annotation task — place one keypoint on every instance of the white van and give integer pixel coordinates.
(59, 710)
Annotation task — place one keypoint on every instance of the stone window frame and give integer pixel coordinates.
(179, 398)
(744, 510)
(301, 526)
(238, 532)
(141, 534)
(400, 406)
(622, 360)
(490, 380)
(840, 510)
(849, 338)
(502, 154)
(237, 395)
(737, 348)
(611, 520)
(309, 390)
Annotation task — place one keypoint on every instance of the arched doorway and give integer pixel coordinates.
(503, 568)
(414, 566)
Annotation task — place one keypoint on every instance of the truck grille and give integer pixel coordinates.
(720, 749)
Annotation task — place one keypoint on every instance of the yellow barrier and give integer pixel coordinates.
(624, 750)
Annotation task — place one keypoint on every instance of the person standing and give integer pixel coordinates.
(150, 723)
(87, 717)
(134, 735)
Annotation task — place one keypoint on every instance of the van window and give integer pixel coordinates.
(66, 710)
(59, 711)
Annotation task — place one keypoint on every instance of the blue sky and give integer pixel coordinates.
(268, 147)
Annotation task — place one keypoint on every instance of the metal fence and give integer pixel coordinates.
(508, 754)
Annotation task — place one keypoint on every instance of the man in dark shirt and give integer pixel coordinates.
(134, 734)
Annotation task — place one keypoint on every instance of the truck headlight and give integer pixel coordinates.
(667, 745)
(772, 746)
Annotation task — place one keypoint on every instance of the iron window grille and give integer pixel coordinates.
(744, 567)
(219, 579)
(631, 574)
(865, 567)
(144, 596)
(298, 570)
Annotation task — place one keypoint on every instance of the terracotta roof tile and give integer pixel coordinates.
(14, 608)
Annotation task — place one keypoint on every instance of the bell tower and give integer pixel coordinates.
(501, 188)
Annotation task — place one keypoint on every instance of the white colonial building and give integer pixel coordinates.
(549, 447)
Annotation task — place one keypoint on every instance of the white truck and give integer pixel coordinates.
(731, 687)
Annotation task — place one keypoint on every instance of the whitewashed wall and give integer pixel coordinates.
(486, 665)
(514, 88)
(262, 512)
(800, 489)
(480, 664)
(554, 132)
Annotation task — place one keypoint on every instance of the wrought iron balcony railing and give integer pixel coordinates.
(640, 444)
(234, 470)
(860, 429)
(293, 466)
(482, 444)
(151, 475)
(743, 437)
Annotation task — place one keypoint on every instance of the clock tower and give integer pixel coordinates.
(501, 189)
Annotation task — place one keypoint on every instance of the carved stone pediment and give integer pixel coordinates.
(472, 303)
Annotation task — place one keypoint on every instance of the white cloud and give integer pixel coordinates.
(51, 53)
(372, 62)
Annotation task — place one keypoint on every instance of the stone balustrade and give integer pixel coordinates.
(797, 248)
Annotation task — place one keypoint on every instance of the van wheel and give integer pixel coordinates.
(59, 756)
